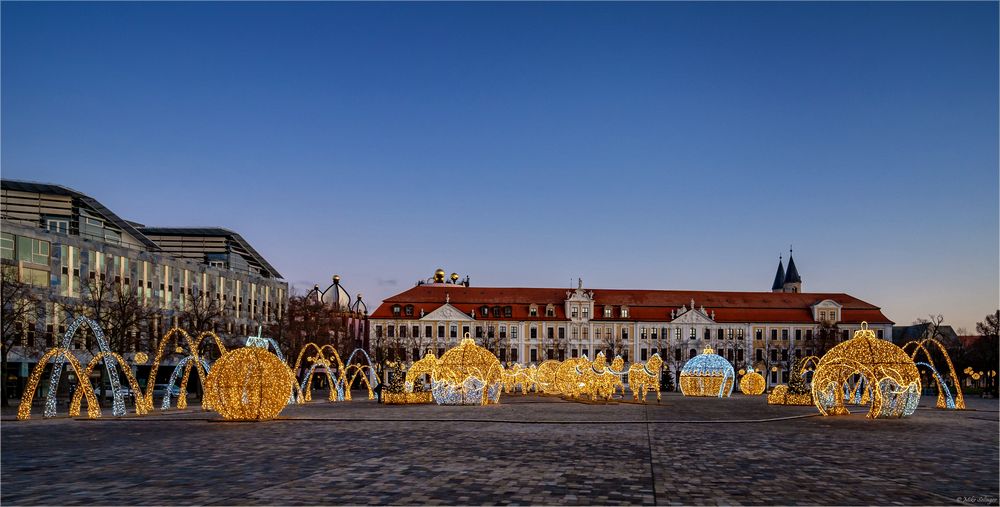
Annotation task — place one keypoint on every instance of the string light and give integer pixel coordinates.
(141, 358)
(24, 409)
(140, 407)
(645, 377)
(249, 384)
(707, 374)
(467, 375)
(185, 366)
(780, 396)
(752, 383)
(944, 399)
(891, 374)
(118, 401)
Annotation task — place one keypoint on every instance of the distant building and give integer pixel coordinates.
(59, 239)
(902, 334)
(530, 325)
(352, 315)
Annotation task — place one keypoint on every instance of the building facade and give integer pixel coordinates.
(63, 242)
(768, 330)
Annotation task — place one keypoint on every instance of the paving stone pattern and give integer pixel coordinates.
(527, 450)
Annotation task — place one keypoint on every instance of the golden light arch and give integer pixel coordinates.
(140, 406)
(193, 347)
(916, 347)
(24, 409)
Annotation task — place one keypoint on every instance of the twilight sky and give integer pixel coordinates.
(640, 145)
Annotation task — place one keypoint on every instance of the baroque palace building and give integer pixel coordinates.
(766, 330)
(62, 242)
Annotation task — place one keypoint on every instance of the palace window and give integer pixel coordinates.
(513, 333)
(607, 311)
(784, 334)
(573, 310)
(586, 311)
(720, 333)
(798, 334)
(550, 311)
(642, 333)
(774, 334)
(533, 311)
(624, 333)
(409, 310)
(550, 332)
(503, 331)
(416, 331)
(586, 333)
(693, 334)
(395, 308)
(534, 332)
(454, 331)
(496, 311)
(677, 334)
(507, 311)
(624, 312)
(485, 311)
(708, 334)
(562, 333)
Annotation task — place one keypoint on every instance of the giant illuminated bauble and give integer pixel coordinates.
(752, 384)
(249, 384)
(707, 374)
(887, 373)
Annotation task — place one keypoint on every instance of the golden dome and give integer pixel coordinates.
(439, 276)
(454, 277)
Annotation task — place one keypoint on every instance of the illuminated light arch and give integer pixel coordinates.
(140, 406)
(344, 385)
(949, 402)
(645, 377)
(24, 410)
(467, 374)
(889, 372)
(186, 364)
(306, 387)
(192, 347)
(959, 399)
(118, 403)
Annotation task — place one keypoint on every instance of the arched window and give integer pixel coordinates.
(692, 353)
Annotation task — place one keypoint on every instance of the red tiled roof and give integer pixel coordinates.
(644, 305)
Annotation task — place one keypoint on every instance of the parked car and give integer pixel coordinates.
(159, 390)
(124, 389)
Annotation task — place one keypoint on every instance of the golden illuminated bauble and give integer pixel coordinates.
(249, 384)
(887, 372)
(179, 349)
(141, 358)
(752, 384)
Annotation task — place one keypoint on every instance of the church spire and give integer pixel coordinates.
(793, 282)
(779, 277)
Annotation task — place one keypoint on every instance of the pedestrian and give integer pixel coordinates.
(378, 391)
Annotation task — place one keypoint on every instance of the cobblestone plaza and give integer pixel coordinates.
(526, 450)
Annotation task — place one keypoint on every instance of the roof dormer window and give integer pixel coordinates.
(550, 311)
(409, 310)
(484, 311)
(395, 310)
(496, 311)
(533, 310)
(508, 311)
(624, 312)
(608, 311)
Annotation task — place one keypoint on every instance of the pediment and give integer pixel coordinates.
(828, 303)
(447, 312)
(693, 317)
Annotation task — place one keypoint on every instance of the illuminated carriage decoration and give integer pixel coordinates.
(707, 374)
(866, 369)
(467, 375)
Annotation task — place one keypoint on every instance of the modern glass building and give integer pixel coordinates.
(63, 242)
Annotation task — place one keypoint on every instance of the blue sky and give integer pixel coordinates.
(644, 145)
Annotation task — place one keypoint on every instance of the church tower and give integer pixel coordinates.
(793, 282)
(779, 278)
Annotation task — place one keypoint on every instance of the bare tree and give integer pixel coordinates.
(118, 308)
(985, 352)
(203, 311)
(20, 309)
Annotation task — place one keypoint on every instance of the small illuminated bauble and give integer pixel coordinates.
(141, 358)
(889, 374)
(179, 349)
(249, 384)
(752, 384)
(707, 374)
